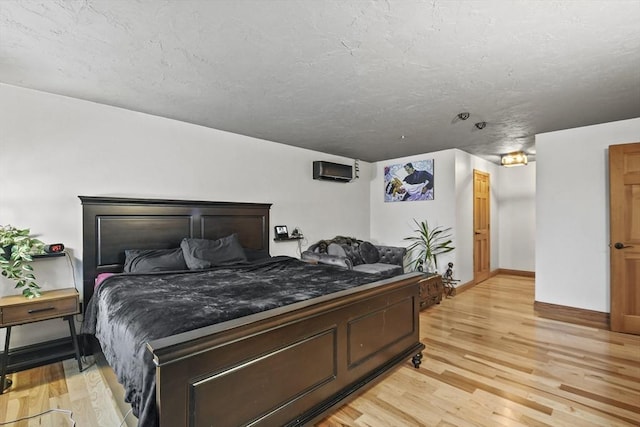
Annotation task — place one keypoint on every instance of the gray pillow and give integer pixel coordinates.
(336, 249)
(369, 253)
(353, 254)
(204, 253)
(150, 260)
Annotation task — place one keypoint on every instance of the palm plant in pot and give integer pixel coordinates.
(427, 245)
(16, 250)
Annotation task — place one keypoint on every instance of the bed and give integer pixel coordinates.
(287, 365)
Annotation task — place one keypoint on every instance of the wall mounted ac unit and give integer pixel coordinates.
(332, 171)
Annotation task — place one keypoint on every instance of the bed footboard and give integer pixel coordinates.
(288, 366)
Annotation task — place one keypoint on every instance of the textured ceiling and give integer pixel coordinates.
(371, 80)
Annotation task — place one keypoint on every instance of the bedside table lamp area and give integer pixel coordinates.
(31, 321)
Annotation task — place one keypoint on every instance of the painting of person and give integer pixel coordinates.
(417, 183)
(394, 189)
(410, 181)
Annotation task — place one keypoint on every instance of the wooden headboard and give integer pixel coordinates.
(113, 224)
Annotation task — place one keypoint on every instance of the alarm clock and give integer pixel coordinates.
(54, 248)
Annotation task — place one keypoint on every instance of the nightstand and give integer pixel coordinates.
(16, 310)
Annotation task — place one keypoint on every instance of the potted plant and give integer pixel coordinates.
(427, 245)
(17, 247)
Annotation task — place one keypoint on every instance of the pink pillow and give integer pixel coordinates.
(101, 277)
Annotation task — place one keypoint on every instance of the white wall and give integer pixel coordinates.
(517, 217)
(572, 213)
(452, 207)
(54, 148)
(465, 165)
(391, 222)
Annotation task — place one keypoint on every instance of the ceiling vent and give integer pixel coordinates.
(332, 171)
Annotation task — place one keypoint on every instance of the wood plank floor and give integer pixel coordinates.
(83, 397)
(489, 361)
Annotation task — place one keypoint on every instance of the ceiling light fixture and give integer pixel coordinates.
(481, 125)
(463, 116)
(519, 158)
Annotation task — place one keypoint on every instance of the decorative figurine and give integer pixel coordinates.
(448, 281)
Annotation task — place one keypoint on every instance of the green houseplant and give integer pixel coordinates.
(16, 250)
(427, 245)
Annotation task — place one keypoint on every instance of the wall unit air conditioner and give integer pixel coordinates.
(332, 171)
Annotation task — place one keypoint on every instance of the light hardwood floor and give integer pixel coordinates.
(489, 361)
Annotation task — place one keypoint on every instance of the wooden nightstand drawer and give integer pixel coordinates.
(18, 310)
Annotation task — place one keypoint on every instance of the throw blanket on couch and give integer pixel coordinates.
(323, 245)
(358, 251)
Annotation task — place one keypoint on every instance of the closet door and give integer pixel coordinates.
(481, 230)
(624, 193)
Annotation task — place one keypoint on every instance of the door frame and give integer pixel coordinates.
(485, 256)
(624, 238)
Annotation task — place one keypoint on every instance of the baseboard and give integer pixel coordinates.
(579, 316)
(470, 284)
(522, 273)
(465, 286)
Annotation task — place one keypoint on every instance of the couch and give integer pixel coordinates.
(357, 255)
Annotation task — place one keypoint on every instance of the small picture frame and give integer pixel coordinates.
(281, 232)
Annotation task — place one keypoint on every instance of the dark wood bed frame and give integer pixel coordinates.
(287, 366)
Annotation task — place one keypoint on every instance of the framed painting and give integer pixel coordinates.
(406, 182)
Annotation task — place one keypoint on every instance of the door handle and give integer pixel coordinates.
(620, 245)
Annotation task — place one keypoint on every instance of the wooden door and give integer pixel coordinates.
(624, 193)
(481, 227)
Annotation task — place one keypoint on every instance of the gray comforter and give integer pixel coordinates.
(128, 310)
